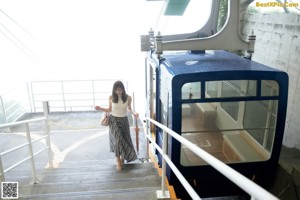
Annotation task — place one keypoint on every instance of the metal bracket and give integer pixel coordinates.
(227, 39)
(163, 195)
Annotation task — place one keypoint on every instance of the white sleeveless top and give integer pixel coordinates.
(119, 109)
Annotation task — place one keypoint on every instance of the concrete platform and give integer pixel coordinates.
(78, 130)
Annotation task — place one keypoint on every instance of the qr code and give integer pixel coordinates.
(9, 190)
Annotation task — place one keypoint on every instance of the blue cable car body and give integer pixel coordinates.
(174, 69)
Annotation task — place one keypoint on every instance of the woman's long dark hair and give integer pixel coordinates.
(118, 84)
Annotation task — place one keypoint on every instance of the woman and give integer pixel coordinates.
(119, 134)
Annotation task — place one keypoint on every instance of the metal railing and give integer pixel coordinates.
(255, 191)
(29, 143)
(71, 95)
(14, 104)
(62, 95)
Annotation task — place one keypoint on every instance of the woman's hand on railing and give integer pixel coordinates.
(135, 114)
(98, 108)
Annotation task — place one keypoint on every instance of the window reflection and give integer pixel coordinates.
(232, 131)
(191, 90)
(269, 88)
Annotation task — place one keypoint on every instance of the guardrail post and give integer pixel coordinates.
(2, 176)
(3, 109)
(63, 95)
(163, 194)
(35, 180)
(147, 140)
(4, 112)
(94, 95)
(47, 132)
(29, 97)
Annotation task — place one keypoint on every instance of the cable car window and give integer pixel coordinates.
(191, 90)
(232, 131)
(236, 89)
(260, 121)
(248, 138)
(211, 89)
(269, 88)
(230, 88)
(231, 108)
(251, 88)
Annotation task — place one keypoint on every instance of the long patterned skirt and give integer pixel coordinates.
(119, 138)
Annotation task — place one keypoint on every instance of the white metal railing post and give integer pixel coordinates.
(135, 124)
(2, 176)
(4, 112)
(47, 132)
(164, 194)
(3, 109)
(63, 94)
(31, 153)
(32, 97)
(164, 167)
(94, 95)
(147, 140)
(29, 97)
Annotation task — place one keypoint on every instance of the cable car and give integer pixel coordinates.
(227, 104)
(231, 107)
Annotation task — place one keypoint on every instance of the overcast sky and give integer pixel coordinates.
(77, 39)
(72, 39)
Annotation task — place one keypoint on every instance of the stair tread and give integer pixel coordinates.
(149, 181)
(93, 179)
(70, 168)
(60, 175)
(145, 193)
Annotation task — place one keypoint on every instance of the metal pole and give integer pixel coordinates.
(31, 153)
(29, 97)
(63, 93)
(3, 110)
(163, 194)
(47, 132)
(94, 95)
(136, 127)
(163, 176)
(2, 176)
(147, 139)
(253, 198)
(4, 113)
(32, 98)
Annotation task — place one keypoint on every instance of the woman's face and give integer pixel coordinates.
(119, 91)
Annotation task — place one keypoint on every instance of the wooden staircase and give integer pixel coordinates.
(93, 179)
(87, 170)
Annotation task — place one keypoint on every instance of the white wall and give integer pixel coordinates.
(278, 45)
